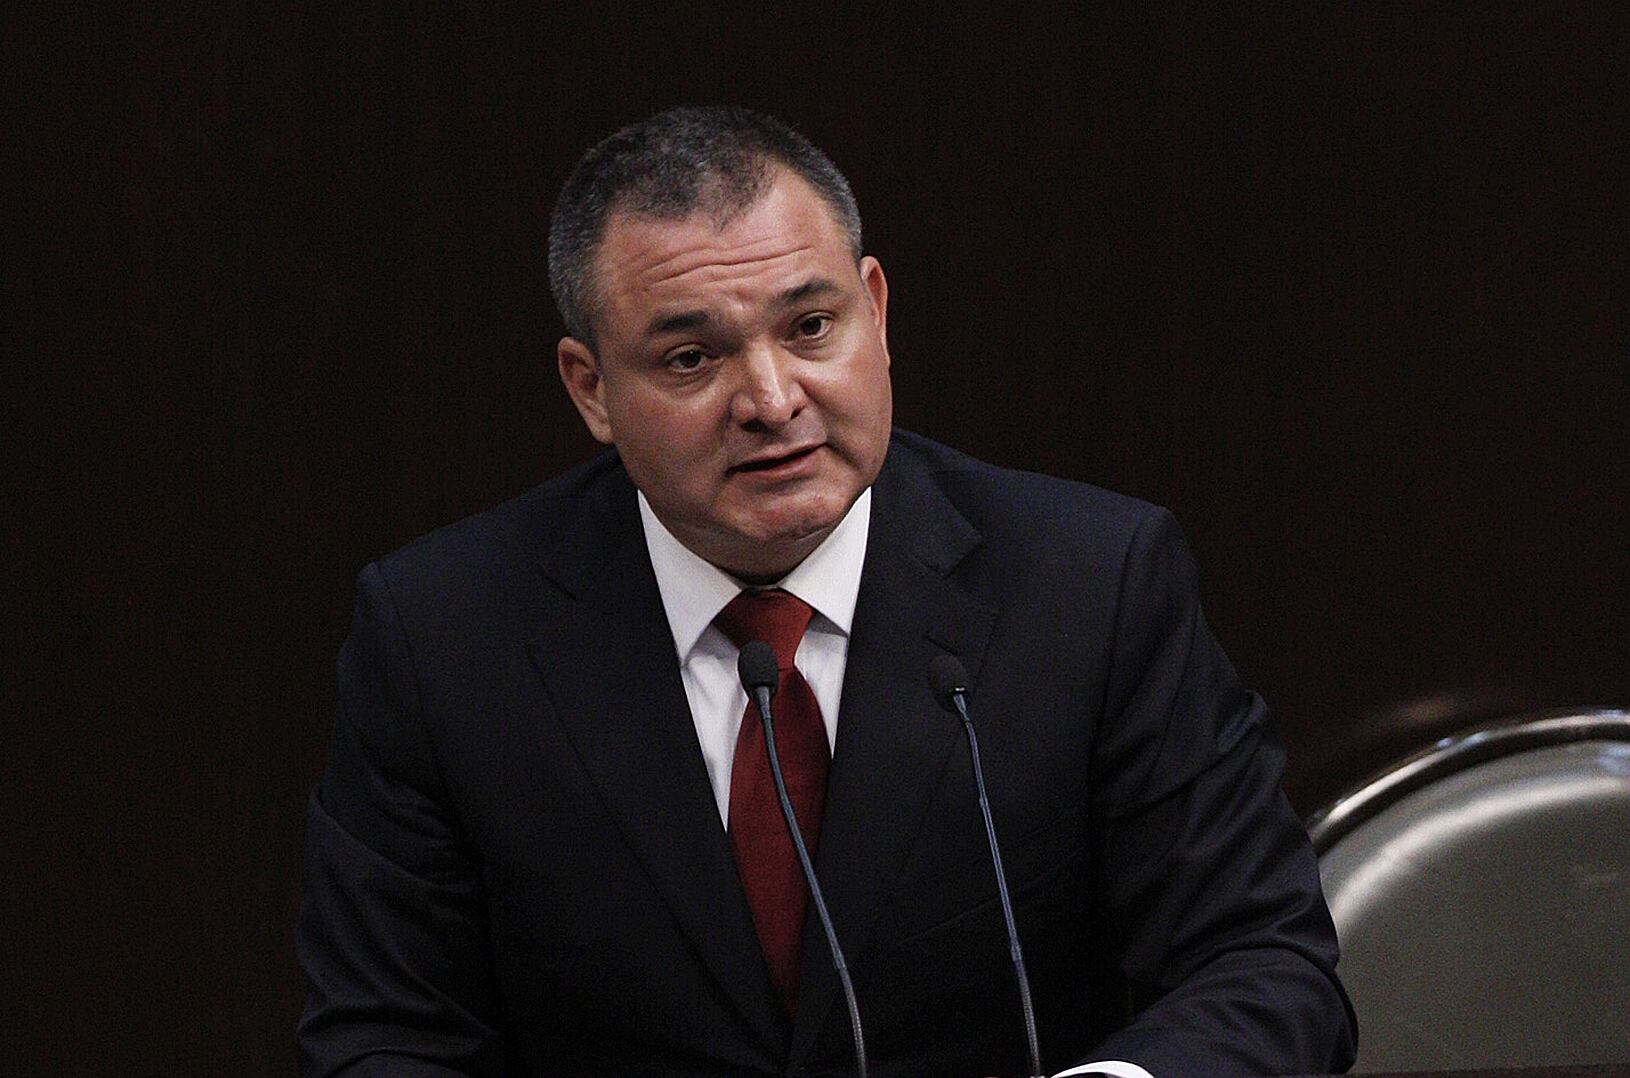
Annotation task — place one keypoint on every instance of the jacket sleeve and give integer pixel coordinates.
(1207, 875)
(390, 936)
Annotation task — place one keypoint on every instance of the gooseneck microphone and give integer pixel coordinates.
(950, 684)
(756, 667)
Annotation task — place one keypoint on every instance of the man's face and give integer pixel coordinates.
(742, 374)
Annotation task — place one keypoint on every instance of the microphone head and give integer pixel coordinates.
(756, 667)
(946, 675)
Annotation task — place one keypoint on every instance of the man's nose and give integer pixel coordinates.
(770, 392)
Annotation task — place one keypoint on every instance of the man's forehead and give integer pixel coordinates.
(653, 251)
(785, 246)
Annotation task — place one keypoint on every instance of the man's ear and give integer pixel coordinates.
(580, 373)
(877, 291)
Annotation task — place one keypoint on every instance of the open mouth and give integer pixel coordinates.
(770, 464)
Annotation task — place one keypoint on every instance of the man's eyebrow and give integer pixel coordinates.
(672, 323)
(815, 286)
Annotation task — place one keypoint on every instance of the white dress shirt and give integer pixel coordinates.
(694, 591)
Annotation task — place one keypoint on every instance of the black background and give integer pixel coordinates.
(1346, 290)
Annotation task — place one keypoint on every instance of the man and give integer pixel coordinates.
(544, 843)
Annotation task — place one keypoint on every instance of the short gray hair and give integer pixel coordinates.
(718, 159)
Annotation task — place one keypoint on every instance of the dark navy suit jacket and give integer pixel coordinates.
(516, 864)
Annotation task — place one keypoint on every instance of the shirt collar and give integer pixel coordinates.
(694, 590)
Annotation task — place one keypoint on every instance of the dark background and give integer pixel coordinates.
(1345, 290)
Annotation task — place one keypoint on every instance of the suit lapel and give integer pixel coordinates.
(607, 659)
(893, 739)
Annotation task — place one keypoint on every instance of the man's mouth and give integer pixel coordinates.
(771, 463)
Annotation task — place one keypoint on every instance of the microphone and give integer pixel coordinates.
(756, 667)
(950, 684)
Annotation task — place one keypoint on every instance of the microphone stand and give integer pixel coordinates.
(950, 684)
(760, 680)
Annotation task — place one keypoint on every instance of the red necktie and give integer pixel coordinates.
(765, 858)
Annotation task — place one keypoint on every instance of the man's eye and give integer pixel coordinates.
(687, 359)
(814, 325)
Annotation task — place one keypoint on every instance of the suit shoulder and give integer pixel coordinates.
(1010, 501)
(490, 547)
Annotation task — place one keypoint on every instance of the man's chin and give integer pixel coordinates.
(765, 554)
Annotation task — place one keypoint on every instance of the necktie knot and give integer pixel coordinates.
(774, 616)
